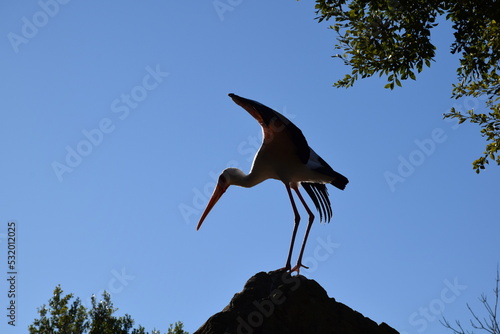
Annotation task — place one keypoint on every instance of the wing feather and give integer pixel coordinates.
(273, 122)
(319, 195)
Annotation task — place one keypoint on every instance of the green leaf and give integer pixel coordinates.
(393, 38)
(390, 85)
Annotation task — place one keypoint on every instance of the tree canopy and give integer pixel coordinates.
(64, 316)
(392, 38)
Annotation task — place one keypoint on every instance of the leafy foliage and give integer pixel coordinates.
(61, 317)
(177, 328)
(392, 38)
(65, 317)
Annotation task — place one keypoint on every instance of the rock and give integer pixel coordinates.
(278, 303)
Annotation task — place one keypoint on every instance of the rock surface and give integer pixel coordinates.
(276, 303)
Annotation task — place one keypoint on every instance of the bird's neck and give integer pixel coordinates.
(248, 180)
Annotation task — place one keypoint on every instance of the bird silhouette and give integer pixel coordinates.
(285, 156)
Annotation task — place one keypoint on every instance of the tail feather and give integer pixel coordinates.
(339, 181)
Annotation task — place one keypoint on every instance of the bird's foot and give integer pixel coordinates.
(285, 268)
(297, 268)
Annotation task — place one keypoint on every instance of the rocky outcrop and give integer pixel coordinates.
(279, 303)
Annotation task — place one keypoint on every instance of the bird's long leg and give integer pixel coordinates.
(295, 227)
(311, 219)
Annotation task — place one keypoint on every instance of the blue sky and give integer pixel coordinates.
(116, 121)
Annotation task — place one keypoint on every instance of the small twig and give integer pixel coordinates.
(489, 323)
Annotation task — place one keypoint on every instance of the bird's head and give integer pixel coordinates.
(228, 177)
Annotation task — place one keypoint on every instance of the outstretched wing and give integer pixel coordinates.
(273, 122)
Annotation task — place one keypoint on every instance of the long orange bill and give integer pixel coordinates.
(219, 190)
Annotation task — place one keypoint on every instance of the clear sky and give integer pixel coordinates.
(116, 121)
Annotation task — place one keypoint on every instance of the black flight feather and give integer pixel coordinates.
(319, 195)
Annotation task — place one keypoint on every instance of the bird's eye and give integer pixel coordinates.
(223, 179)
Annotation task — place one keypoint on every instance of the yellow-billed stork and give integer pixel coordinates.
(286, 156)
